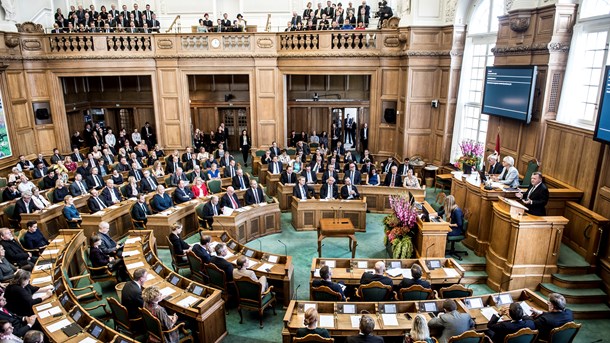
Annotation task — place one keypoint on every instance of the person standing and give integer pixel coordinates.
(245, 143)
(536, 197)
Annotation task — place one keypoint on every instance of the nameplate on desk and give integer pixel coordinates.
(327, 321)
(389, 319)
(43, 279)
(132, 240)
(49, 312)
(187, 302)
(46, 266)
(135, 265)
(43, 307)
(130, 253)
(329, 263)
(450, 272)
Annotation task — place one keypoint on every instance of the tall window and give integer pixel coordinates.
(470, 123)
(588, 56)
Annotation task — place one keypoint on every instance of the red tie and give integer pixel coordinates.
(233, 202)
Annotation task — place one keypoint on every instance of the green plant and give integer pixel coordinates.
(402, 247)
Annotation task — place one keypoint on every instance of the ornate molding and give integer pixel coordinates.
(391, 41)
(519, 25)
(11, 40)
(559, 47)
(520, 49)
(165, 43)
(428, 53)
(29, 27)
(264, 43)
(31, 44)
(450, 7)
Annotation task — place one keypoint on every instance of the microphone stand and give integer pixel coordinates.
(285, 247)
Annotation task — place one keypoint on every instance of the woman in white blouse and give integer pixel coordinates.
(39, 201)
(135, 137)
(410, 180)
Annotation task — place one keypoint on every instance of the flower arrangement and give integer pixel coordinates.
(472, 154)
(399, 226)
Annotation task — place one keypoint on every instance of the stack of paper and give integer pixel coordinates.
(316, 273)
(130, 253)
(329, 263)
(186, 302)
(389, 319)
(264, 267)
(43, 307)
(45, 266)
(451, 272)
(273, 259)
(167, 291)
(59, 325)
(43, 279)
(135, 265)
(355, 321)
(527, 309)
(132, 240)
(327, 321)
(394, 272)
(50, 252)
(363, 264)
(49, 312)
(488, 312)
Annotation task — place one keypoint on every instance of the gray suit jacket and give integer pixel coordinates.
(453, 323)
(510, 177)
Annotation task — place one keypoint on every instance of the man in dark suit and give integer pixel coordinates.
(494, 167)
(452, 322)
(182, 193)
(230, 170)
(536, 197)
(387, 165)
(367, 167)
(95, 202)
(178, 176)
(173, 165)
(40, 159)
(49, 181)
(108, 245)
(330, 173)
(113, 11)
(364, 137)
(296, 19)
(301, 191)
(220, 262)
(161, 201)
(404, 167)
(14, 253)
(376, 276)
(111, 193)
(211, 209)
(136, 173)
(40, 171)
(24, 205)
(10, 192)
(20, 324)
(353, 174)
(326, 274)
(78, 187)
(393, 179)
(275, 167)
(202, 249)
(329, 190)
(367, 325)
(95, 180)
(416, 273)
(188, 155)
(77, 156)
(240, 181)
(148, 183)
(556, 316)
(349, 191)
(275, 150)
(288, 176)
(180, 246)
(498, 330)
(140, 211)
(230, 199)
(366, 7)
(254, 194)
(310, 177)
(84, 170)
(131, 296)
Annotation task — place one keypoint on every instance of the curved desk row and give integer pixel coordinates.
(377, 197)
(395, 318)
(278, 269)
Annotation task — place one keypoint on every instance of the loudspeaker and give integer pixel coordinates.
(390, 115)
(42, 113)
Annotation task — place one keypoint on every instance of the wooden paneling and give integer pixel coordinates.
(46, 139)
(38, 85)
(389, 80)
(16, 86)
(423, 83)
(420, 116)
(22, 116)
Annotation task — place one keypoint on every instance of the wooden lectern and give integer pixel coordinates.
(515, 208)
(523, 249)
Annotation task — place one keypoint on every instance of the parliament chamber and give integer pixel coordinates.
(264, 171)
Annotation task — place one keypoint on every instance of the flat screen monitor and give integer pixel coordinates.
(428, 307)
(249, 253)
(474, 303)
(197, 290)
(158, 268)
(602, 127)
(349, 308)
(224, 237)
(389, 308)
(232, 245)
(149, 257)
(434, 264)
(96, 330)
(504, 299)
(509, 92)
(76, 315)
(174, 280)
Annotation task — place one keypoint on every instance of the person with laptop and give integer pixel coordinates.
(451, 322)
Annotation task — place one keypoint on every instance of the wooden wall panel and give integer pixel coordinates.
(170, 108)
(423, 84)
(38, 85)
(16, 86)
(386, 143)
(419, 117)
(389, 81)
(21, 116)
(172, 139)
(419, 145)
(46, 135)
(168, 82)
(266, 81)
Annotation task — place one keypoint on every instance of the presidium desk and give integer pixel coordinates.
(306, 214)
(471, 195)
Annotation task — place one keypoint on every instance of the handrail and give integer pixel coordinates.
(173, 23)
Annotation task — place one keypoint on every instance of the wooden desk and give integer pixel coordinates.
(162, 222)
(51, 220)
(450, 271)
(209, 314)
(306, 214)
(280, 275)
(523, 250)
(118, 216)
(271, 181)
(340, 227)
(251, 222)
(431, 238)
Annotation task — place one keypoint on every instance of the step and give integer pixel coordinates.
(474, 277)
(570, 261)
(577, 280)
(586, 311)
(576, 295)
(475, 267)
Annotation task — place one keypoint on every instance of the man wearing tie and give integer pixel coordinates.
(211, 209)
(161, 201)
(78, 187)
(310, 177)
(95, 202)
(230, 170)
(20, 324)
(330, 173)
(135, 172)
(188, 155)
(240, 181)
(275, 151)
(254, 194)
(536, 197)
(148, 183)
(402, 170)
(495, 168)
(94, 180)
(349, 191)
(182, 193)
(173, 165)
(113, 11)
(329, 190)
(140, 212)
(288, 177)
(111, 194)
(230, 199)
(148, 13)
(24, 205)
(301, 191)
(393, 179)
(353, 174)
(275, 167)
(387, 165)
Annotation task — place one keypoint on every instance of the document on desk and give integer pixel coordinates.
(363, 264)
(273, 258)
(50, 252)
(149, 276)
(265, 267)
(355, 321)
(389, 319)
(43, 307)
(527, 309)
(488, 312)
(57, 240)
(49, 312)
(131, 253)
(132, 240)
(399, 271)
(59, 325)
(135, 265)
(88, 340)
(451, 272)
(167, 291)
(329, 263)
(188, 301)
(43, 279)
(327, 321)
(45, 266)
(316, 273)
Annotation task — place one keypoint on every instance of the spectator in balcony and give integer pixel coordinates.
(347, 25)
(310, 26)
(307, 13)
(219, 28)
(226, 23)
(103, 13)
(363, 17)
(323, 24)
(317, 14)
(360, 27)
(295, 20)
(56, 29)
(339, 16)
(208, 23)
(351, 18)
(154, 24)
(202, 27)
(240, 24)
(335, 26)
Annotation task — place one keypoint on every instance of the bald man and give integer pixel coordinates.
(369, 277)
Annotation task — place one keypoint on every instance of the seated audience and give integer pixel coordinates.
(220, 262)
(95, 202)
(151, 297)
(203, 249)
(349, 191)
(161, 201)
(556, 316)
(510, 175)
(416, 273)
(326, 280)
(70, 212)
(419, 331)
(410, 180)
(20, 324)
(131, 296)
(180, 246)
(367, 325)
(369, 277)
(140, 211)
(242, 271)
(497, 329)
(211, 209)
(14, 253)
(19, 294)
(254, 194)
(100, 259)
(7, 269)
(182, 193)
(108, 246)
(33, 238)
(10, 192)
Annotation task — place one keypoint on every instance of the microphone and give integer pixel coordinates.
(260, 244)
(285, 248)
(500, 289)
(338, 214)
(428, 248)
(296, 293)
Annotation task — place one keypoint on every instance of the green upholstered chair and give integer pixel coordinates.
(415, 292)
(451, 240)
(196, 266)
(455, 291)
(312, 337)
(178, 261)
(157, 334)
(375, 291)
(324, 293)
(9, 212)
(470, 336)
(218, 279)
(525, 335)
(250, 297)
(565, 333)
(214, 186)
(203, 223)
(121, 320)
(532, 166)
(97, 274)
(87, 290)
